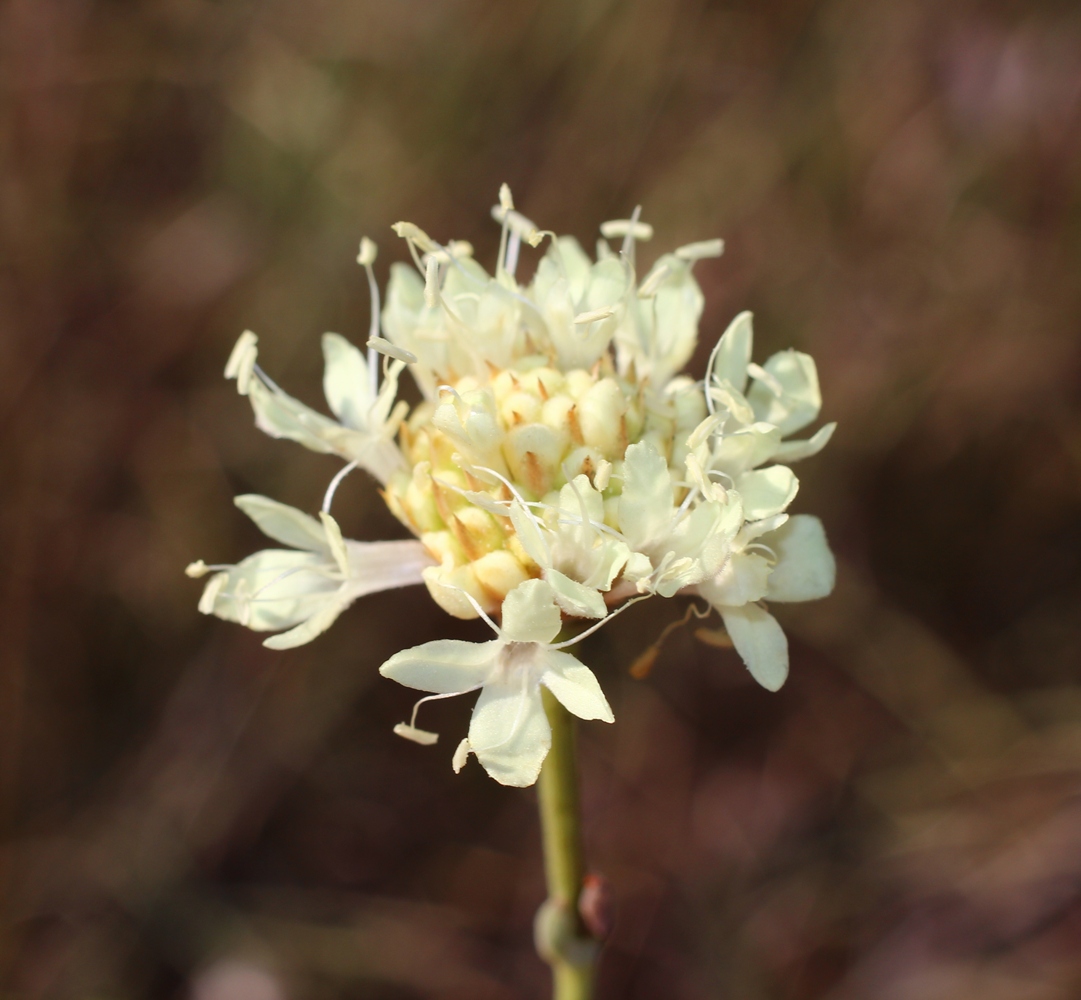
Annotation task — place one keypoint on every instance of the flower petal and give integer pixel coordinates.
(283, 523)
(576, 598)
(746, 448)
(529, 533)
(530, 613)
(576, 687)
(733, 353)
(742, 580)
(271, 589)
(444, 666)
(793, 451)
(281, 416)
(760, 642)
(308, 630)
(766, 492)
(509, 732)
(346, 381)
(800, 398)
(645, 507)
(806, 569)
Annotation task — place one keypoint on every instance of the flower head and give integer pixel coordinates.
(556, 465)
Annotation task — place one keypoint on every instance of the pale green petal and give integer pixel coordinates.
(281, 416)
(766, 492)
(576, 264)
(530, 613)
(576, 598)
(529, 534)
(733, 353)
(793, 451)
(747, 448)
(283, 523)
(676, 311)
(800, 400)
(742, 580)
(308, 630)
(760, 642)
(346, 381)
(445, 666)
(509, 732)
(576, 687)
(336, 542)
(578, 499)
(806, 569)
(638, 567)
(645, 507)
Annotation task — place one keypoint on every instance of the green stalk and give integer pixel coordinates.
(561, 937)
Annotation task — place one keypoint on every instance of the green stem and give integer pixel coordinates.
(562, 940)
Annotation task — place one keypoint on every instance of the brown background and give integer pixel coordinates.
(185, 812)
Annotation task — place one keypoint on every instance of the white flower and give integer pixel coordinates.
(304, 588)
(556, 464)
(675, 546)
(509, 730)
(784, 397)
(367, 418)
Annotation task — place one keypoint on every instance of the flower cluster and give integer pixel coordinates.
(557, 467)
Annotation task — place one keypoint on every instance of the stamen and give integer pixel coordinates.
(641, 667)
(514, 244)
(476, 607)
(700, 250)
(199, 568)
(243, 347)
(385, 347)
(614, 228)
(593, 315)
(409, 729)
(366, 258)
(461, 755)
(421, 736)
(604, 621)
(431, 283)
(328, 497)
(284, 575)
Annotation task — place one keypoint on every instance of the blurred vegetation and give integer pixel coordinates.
(187, 813)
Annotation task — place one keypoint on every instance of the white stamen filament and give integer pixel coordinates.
(604, 621)
(328, 497)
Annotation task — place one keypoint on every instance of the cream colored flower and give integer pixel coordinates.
(509, 731)
(303, 588)
(556, 464)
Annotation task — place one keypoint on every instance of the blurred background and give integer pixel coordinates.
(185, 813)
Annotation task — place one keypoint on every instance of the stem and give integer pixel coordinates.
(562, 940)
